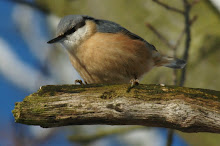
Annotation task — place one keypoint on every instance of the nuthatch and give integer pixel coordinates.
(105, 52)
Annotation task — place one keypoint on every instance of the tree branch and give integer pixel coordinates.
(159, 35)
(168, 7)
(181, 108)
(187, 8)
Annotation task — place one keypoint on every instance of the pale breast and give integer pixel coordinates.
(112, 58)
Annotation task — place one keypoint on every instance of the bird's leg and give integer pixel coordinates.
(80, 82)
(134, 82)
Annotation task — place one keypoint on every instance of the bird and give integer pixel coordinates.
(103, 51)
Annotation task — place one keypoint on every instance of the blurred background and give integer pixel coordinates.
(28, 62)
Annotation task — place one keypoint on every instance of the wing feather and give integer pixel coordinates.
(106, 26)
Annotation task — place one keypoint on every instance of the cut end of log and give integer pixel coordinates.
(16, 111)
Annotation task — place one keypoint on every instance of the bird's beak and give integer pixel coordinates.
(56, 39)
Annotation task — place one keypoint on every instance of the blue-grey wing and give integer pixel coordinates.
(106, 26)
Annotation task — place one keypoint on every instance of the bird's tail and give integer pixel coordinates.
(162, 60)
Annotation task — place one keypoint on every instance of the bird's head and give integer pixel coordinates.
(72, 30)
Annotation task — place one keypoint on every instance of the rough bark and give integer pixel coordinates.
(181, 108)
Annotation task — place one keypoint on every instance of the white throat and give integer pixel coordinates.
(72, 41)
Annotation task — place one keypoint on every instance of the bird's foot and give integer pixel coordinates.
(80, 82)
(134, 82)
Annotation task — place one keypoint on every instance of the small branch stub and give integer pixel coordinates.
(181, 108)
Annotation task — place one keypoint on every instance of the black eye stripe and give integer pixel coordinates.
(75, 28)
(70, 31)
(81, 24)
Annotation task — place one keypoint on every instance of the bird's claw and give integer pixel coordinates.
(134, 82)
(80, 82)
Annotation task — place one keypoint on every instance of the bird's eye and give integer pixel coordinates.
(68, 32)
(72, 30)
(75, 28)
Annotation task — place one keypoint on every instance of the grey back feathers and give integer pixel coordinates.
(69, 23)
(106, 26)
